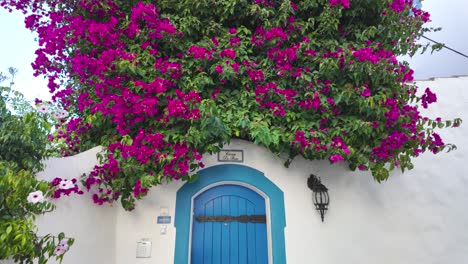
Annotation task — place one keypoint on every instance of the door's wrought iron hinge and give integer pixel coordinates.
(228, 218)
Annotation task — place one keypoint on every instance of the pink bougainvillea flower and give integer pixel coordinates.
(437, 139)
(137, 189)
(398, 5)
(293, 6)
(424, 16)
(199, 52)
(346, 150)
(215, 92)
(362, 167)
(235, 66)
(215, 41)
(428, 98)
(219, 69)
(234, 42)
(366, 92)
(343, 3)
(228, 53)
(255, 75)
(336, 158)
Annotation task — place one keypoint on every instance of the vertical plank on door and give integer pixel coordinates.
(208, 236)
(251, 238)
(243, 234)
(261, 247)
(198, 235)
(225, 234)
(217, 231)
(234, 248)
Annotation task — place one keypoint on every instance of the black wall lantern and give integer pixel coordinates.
(321, 198)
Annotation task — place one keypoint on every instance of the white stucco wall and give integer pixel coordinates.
(416, 217)
(93, 227)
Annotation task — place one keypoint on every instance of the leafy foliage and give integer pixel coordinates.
(23, 145)
(23, 140)
(159, 83)
(18, 238)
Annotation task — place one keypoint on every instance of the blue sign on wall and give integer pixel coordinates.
(164, 219)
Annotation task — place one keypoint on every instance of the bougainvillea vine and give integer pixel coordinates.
(158, 84)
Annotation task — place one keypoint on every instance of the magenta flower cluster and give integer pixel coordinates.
(368, 54)
(428, 98)
(399, 5)
(393, 142)
(343, 3)
(134, 88)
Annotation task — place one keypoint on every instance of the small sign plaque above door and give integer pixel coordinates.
(231, 155)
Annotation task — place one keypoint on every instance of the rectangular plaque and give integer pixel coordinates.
(164, 219)
(231, 155)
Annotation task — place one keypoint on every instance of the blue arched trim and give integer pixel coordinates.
(232, 173)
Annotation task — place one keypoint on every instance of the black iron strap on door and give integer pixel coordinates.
(228, 218)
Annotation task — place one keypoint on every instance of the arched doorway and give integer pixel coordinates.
(229, 226)
(229, 179)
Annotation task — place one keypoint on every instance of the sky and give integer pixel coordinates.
(452, 16)
(17, 46)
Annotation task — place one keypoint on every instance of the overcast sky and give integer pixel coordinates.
(17, 47)
(452, 16)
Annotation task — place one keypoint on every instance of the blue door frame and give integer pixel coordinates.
(233, 174)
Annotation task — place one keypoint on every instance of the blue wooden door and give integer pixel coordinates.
(228, 242)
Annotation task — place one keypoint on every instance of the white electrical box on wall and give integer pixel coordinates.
(143, 249)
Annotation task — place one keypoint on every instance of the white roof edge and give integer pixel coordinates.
(441, 77)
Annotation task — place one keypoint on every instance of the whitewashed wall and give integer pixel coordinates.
(93, 227)
(416, 217)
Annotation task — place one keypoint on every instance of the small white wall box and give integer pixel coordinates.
(143, 249)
